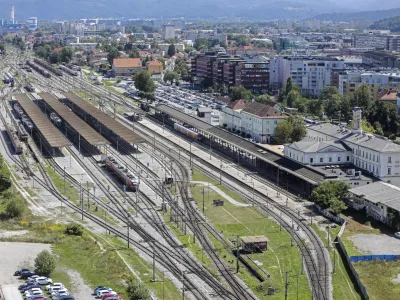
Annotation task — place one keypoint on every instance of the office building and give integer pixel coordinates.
(168, 32)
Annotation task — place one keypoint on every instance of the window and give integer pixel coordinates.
(321, 159)
(311, 160)
(276, 122)
(338, 159)
(389, 159)
(389, 171)
(377, 158)
(374, 157)
(330, 159)
(348, 158)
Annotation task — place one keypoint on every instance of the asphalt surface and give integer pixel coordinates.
(11, 292)
(376, 243)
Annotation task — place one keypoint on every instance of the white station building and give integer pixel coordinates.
(328, 144)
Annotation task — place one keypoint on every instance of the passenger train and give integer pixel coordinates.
(68, 70)
(122, 173)
(8, 78)
(22, 134)
(47, 66)
(14, 139)
(24, 119)
(188, 132)
(55, 119)
(38, 69)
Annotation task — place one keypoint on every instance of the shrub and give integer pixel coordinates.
(74, 229)
(45, 263)
(243, 134)
(224, 125)
(137, 290)
(248, 136)
(15, 207)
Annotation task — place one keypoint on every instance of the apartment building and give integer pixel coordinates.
(381, 59)
(310, 73)
(377, 41)
(378, 81)
(250, 72)
(168, 32)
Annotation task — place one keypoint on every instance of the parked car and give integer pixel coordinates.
(26, 284)
(34, 286)
(101, 293)
(26, 274)
(108, 295)
(69, 297)
(99, 287)
(59, 295)
(397, 234)
(44, 280)
(62, 291)
(50, 286)
(55, 289)
(33, 292)
(18, 272)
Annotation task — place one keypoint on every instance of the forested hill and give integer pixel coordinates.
(393, 24)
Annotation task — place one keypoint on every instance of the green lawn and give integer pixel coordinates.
(343, 287)
(377, 276)
(245, 221)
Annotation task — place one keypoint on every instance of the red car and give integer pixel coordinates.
(112, 295)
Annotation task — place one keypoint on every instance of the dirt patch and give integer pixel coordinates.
(376, 243)
(7, 233)
(80, 290)
(396, 280)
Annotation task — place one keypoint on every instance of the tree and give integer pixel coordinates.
(378, 128)
(201, 44)
(301, 104)
(134, 54)
(315, 107)
(171, 77)
(45, 262)
(66, 54)
(112, 53)
(171, 50)
(5, 176)
(144, 83)
(328, 92)
(332, 106)
(288, 86)
(330, 194)
(292, 129)
(74, 229)
(15, 207)
(292, 97)
(54, 58)
(137, 290)
(386, 115)
(362, 97)
(239, 92)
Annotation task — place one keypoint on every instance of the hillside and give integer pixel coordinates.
(393, 24)
(373, 15)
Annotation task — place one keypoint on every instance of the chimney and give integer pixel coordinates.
(12, 13)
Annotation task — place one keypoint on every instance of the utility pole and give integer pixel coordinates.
(237, 254)
(334, 260)
(64, 179)
(80, 196)
(154, 263)
(163, 286)
(183, 286)
(203, 199)
(297, 287)
(286, 285)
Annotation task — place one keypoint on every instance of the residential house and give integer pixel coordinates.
(126, 66)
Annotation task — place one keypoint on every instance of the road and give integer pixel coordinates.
(11, 292)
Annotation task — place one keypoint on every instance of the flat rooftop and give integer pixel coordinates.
(119, 129)
(52, 135)
(80, 126)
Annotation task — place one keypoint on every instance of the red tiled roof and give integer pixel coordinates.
(388, 96)
(237, 104)
(262, 110)
(154, 63)
(127, 63)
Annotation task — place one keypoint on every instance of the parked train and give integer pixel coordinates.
(38, 69)
(14, 139)
(22, 134)
(55, 119)
(8, 78)
(47, 66)
(122, 173)
(68, 70)
(24, 119)
(188, 132)
(29, 88)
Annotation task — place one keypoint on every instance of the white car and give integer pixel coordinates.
(60, 291)
(397, 234)
(33, 292)
(57, 284)
(59, 295)
(101, 293)
(34, 277)
(44, 280)
(55, 289)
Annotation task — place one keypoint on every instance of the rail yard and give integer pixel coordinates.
(140, 171)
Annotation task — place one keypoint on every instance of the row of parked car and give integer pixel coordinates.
(32, 288)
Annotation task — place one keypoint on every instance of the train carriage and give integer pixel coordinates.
(124, 174)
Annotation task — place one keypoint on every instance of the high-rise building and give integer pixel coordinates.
(12, 18)
(33, 23)
(168, 32)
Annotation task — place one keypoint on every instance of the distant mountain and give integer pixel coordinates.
(393, 24)
(372, 16)
(251, 9)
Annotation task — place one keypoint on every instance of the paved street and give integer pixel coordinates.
(11, 292)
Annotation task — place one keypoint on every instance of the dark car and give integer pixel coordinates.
(26, 274)
(18, 272)
(26, 284)
(69, 297)
(31, 287)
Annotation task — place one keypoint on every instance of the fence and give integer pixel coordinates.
(387, 257)
(349, 265)
(329, 215)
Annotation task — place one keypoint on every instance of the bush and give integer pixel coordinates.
(137, 290)
(74, 229)
(243, 134)
(45, 263)
(248, 135)
(15, 207)
(118, 80)
(224, 125)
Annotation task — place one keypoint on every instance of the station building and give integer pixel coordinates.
(329, 144)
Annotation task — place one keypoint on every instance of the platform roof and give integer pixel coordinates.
(119, 129)
(307, 173)
(52, 135)
(80, 126)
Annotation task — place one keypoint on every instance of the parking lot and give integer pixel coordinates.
(12, 257)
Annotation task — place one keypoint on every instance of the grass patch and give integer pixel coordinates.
(343, 287)
(145, 270)
(378, 276)
(109, 83)
(199, 176)
(245, 221)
